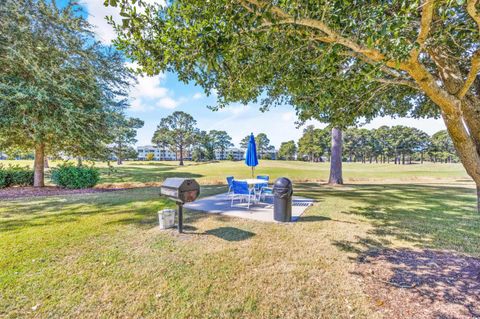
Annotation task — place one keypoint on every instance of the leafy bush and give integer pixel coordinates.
(75, 177)
(15, 175)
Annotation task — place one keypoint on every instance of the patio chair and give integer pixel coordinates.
(263, 190)
(229, 182)
(266, 178)
(241, 191)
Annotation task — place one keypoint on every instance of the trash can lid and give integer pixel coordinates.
(282, 182)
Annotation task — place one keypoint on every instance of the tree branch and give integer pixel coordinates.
(472, 74)
(472, 11)
(425, 25)
(331, 35)
(408, 83)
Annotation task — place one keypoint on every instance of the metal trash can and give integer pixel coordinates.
(282, 200)
(166, 218)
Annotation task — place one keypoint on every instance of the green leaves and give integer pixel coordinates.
(58, 85)
(176, 131)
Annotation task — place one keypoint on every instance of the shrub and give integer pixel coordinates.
(75, 177)
(15, 175)
(4, 178)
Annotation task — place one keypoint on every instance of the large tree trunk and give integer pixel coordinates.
(39, 165)
(478, 198)
(181, 156)
(336, 162)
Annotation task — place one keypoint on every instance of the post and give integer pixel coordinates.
(180, 218)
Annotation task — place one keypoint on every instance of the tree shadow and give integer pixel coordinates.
(230, 233)
(142, 174)
(428, 282)
(431, 280)
(428, 216)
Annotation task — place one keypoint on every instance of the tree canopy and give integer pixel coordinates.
(125, 132)
(60, 90)
(335, 61)
(287, 150)
(177, 131)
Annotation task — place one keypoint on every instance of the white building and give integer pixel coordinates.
(158, 153)
(167, 155)
(237, 154)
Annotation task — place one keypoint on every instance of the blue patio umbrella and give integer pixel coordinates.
(251, 158)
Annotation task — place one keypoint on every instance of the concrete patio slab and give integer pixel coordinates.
(220, 204)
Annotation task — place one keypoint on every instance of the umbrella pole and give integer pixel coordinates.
(252, 171)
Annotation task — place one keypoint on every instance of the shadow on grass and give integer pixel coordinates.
(230, 233)
(428, 282)
(45, 211)
(142, 174)
(431, 281)
(433, 216)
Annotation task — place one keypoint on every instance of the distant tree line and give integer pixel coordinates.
(398, 144)
(178, 133)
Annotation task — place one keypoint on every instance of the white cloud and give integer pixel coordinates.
(168, 103)
(149, 93)
(97, 13)
(197, 96)
(288, 116)
(149, 87)
(235, 110)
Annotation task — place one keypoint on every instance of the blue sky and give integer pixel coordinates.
(156, 97)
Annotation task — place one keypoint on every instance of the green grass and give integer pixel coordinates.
(101, 255)
(214, 173)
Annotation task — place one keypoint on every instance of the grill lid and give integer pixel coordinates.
(182, 184)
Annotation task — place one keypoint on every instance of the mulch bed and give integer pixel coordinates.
(23, 192)
(408, 283)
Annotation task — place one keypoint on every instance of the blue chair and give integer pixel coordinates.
(263, 188)
(241, 191)
(266, 178)
(229, 182)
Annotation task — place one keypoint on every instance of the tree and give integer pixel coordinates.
(314, 143)
(177, 131)
(125, 131)
(59, 88)
(150, 156)
(287, 150)
(441, 147)
(334, 61)
(221, 141)
(262, 142)
(203, 147)
(244, 142)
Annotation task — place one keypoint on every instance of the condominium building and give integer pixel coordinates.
(234, 153)
(159, 154)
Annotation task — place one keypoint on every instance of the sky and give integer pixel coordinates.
(153, 98)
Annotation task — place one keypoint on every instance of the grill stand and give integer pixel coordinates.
(180, 217)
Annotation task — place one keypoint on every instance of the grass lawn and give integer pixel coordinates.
(101, 255)
(138, 172)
